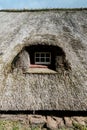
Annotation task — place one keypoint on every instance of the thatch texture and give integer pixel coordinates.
(66, 90)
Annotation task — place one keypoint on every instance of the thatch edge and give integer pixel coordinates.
(43, 9)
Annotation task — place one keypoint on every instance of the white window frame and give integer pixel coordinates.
(44, 57)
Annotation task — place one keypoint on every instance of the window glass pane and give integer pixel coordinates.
(42, 55)
(47, 59)
(48, 55)
(37, 54)
(37, 59)
(42, 60)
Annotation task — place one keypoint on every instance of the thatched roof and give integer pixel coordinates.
(64, 28)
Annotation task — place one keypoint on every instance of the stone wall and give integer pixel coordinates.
(47, 122)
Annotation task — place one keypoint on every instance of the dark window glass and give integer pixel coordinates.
(47, 55)
(42, 59)
(37, 55)
(37, 59)
(42, 55)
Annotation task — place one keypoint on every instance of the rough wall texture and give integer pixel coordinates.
(42, 122)
(66, 90)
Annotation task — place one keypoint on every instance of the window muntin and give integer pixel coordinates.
(43, 58)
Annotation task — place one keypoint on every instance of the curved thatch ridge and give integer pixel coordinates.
(66, 90)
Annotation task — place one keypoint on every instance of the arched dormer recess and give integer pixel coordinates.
(41, 59)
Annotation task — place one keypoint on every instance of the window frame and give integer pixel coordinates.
(44, 57)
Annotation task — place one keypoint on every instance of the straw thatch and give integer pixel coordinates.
(64, 90)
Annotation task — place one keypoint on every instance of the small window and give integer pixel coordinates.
(43, 58)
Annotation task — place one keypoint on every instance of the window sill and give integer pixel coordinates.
(40, 71)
